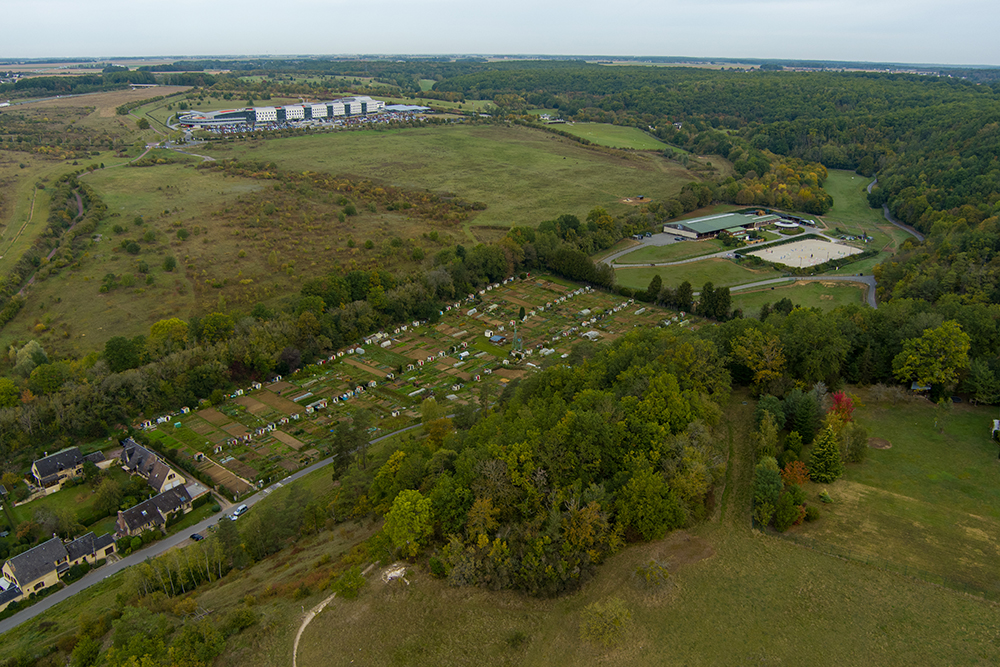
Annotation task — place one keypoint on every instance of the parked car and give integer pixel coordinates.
(238, 512)
(196, 537)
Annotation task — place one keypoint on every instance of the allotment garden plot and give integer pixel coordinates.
(265, 431)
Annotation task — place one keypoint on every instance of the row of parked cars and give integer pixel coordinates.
(237, 513)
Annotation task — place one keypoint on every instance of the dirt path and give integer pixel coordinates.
(305, 622)
(31, 214)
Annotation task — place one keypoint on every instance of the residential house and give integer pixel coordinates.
(90, 549)
(138, 460)
(154, 513)
(38, 567)
(41, 566)
(52, 470)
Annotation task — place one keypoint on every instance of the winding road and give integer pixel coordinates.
(157, 548)
(888, 216)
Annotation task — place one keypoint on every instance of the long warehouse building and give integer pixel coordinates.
(342, 108)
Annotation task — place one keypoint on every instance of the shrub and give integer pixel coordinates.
(787, 513)
(651, 575)
(793, 443)
(824, 496)
(812, 513)
(437, 567)
(854, 442)
(795, 473)
(350, 583)
(237, 620)
(605, 623)
(797, 494)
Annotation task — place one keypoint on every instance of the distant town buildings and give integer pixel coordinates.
(294, 113)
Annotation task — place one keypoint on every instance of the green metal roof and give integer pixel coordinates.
(715, 223)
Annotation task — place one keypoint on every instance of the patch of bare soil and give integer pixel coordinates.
(879, 443)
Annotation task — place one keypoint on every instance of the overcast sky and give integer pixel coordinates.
(909, 31)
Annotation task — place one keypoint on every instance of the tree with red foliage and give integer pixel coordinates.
(795, 473)
(843, 406)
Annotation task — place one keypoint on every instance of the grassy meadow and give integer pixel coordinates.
(614, 136)
(672, 252)
(928, 503)
(825, 296)
(720, 272)
(523, 175)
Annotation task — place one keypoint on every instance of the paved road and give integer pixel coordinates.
(159, 547)
(866, 280)
(888, 216)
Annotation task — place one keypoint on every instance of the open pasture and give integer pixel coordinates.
(930, 502)
(524, 176)
(672, 252)
(614, 136)
(808, 294)
(808, 252)
(772, 603)
(720, 272)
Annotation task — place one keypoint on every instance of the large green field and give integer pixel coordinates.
(735, 598)
(720, 272)
(524, 176)
(930, 502)
(825, 296)
(672, 252)
(852, 214)
(614, 136)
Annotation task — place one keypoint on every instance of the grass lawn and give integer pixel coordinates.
(615, 136)
(825, 296)
(720, 272)
(852, 214)
(524, 176)
(672, 252)
(193, 517)
(930, 502)
(78, 499)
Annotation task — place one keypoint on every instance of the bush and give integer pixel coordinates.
(812, 513)
(238, 620)
(605, 623)
(824, 496)
(787, 513)
(854, 442)
(437, 567)
(350, 583)
(651, 576)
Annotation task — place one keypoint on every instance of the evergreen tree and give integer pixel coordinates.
(684, 297)
(653, 291)
(825, 465)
